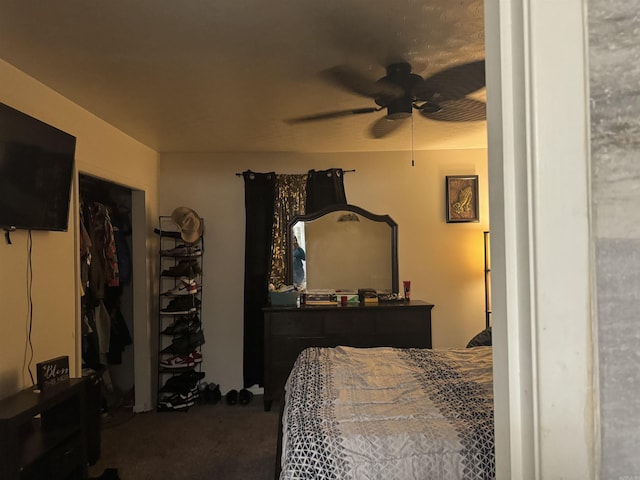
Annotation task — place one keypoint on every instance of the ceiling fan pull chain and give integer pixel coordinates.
(413, 163)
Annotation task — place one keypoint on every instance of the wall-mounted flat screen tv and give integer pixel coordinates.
(36, 171)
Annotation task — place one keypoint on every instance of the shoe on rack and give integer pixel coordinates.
(167, 233)
(180, 360)
(186, 286)
(182, 305)
(176, 402)
(195, 356)
(183, 325)
(187, 394)
(185, 250)
(178, 309)
(187, 300)
(185, 343)
(184, 268)
(183, 383)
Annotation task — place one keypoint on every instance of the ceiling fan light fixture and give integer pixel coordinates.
(399, 108)
(398, 115)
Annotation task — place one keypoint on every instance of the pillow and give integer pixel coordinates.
(483, 339)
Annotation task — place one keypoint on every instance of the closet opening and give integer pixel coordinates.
(106, 278)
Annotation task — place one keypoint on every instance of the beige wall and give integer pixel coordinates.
(443, 261)
(101, 150)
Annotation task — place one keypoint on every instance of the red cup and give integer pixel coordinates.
(343, 300)
(407, 289)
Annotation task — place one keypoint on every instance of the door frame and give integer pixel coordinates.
(538, 145)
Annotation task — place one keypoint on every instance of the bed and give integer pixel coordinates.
(387, 413)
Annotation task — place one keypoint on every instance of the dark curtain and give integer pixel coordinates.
(260, 192)
(325, 188)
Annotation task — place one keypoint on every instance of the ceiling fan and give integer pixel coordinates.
(442, 96)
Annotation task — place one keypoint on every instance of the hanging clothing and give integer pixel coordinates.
(103, 327)
(103, 249)
(104, 259)
(90, 344)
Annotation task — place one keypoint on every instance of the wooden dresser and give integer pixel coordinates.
(289, 330)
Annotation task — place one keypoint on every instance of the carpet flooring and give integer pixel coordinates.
(207, 442)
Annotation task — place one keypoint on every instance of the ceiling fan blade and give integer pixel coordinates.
(422, 92)
(335, 114)
(456, 82)
(355, 82)
(463, 110)
(384, 127)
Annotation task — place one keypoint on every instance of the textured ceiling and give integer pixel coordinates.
(223, 75)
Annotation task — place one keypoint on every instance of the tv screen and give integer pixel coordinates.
(36, 170)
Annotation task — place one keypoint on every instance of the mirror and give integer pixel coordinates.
(344, 247)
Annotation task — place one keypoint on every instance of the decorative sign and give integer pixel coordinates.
(52, 372)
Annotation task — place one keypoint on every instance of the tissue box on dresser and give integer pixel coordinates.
(285, 299)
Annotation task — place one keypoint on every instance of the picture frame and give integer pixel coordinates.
(462, 198)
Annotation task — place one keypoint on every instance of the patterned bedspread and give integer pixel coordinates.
(387, 413)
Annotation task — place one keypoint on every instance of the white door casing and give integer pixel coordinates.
(541, 259)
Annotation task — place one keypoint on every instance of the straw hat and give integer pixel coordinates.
(189, 222)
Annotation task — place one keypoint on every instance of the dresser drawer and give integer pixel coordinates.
(403, 321)
(295, 325)
(356, 322)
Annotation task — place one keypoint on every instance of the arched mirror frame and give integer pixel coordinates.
(393, 227)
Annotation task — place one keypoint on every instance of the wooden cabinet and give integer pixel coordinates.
(42, 434)
(289, 330)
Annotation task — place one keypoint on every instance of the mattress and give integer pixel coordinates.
(388, 413)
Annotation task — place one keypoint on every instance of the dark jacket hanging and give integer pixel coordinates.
(260, 191)
(325, 188)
